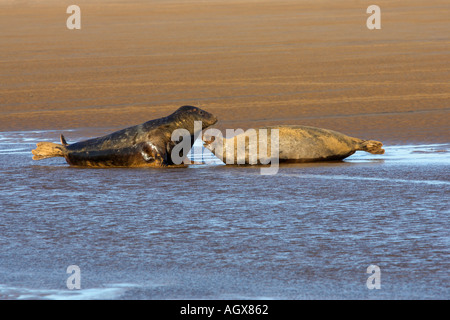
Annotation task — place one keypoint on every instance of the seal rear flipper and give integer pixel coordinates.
(371, 146)
(46, 150)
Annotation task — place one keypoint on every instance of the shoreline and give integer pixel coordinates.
(408, 135)
(78, 134)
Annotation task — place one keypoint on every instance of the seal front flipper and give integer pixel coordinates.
(155, 146)
(161, 158)
(148, 152)
(152, 153)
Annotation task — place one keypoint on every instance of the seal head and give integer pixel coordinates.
(186, 115)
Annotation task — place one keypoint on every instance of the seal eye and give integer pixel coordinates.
(201, 113)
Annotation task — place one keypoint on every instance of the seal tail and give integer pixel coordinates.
(63, 140)
(46, 150)
(371, 146)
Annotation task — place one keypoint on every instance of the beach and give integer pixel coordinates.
(211, 231)
(251, 63)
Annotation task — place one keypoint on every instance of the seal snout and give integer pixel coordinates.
(209, 122)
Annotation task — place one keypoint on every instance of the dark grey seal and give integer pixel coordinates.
(147, 144)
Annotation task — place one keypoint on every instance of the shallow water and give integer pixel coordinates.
(217, 232)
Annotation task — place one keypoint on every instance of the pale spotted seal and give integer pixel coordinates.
(295, 144)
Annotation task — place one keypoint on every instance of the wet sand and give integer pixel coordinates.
(252, 63)
(214, 231)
